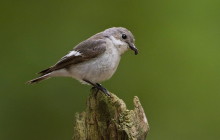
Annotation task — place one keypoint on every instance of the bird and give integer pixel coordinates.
(94, 60)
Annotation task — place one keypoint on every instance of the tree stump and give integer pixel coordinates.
(107, 118)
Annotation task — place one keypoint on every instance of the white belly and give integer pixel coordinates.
(98, 69)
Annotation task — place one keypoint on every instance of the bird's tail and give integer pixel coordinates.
(38, 79)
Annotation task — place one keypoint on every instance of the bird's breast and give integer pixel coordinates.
(107, 64)
(98, 69)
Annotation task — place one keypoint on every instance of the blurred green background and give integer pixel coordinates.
(176, 75)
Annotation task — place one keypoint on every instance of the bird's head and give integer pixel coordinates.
(122, 39)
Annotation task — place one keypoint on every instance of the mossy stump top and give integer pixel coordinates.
(107, 118)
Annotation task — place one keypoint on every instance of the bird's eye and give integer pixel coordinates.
(124, 36)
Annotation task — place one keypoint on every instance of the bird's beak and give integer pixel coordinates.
(132, 47)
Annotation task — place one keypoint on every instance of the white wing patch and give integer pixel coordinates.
(116, 41)
(75, 53)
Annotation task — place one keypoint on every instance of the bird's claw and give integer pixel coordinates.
(104, 90)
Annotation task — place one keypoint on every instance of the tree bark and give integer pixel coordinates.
(107, 118)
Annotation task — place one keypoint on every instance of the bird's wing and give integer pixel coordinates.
(84, 51)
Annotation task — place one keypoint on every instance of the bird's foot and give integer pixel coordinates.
(95, 89)
(98, 87)
(104, 90)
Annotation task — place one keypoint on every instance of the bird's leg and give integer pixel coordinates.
(94, 85)
(98, 87)
(104, 90)
(87, 81)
